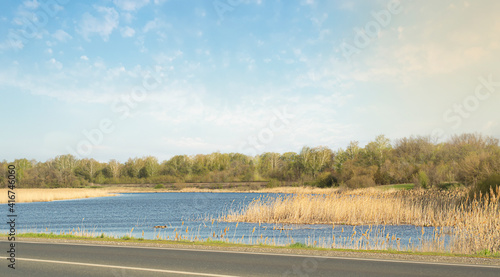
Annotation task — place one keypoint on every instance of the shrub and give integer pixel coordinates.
(486, 186)
(273, 183)
(159, 186)
(325, 180)
(362, 181)
(298, 245)
(448, 186)
(421, 180)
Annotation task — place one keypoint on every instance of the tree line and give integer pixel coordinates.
(465, 159)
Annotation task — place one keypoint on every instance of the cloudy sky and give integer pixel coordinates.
(123, 78)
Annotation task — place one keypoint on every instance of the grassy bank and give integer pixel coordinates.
(473, 226)
(231, 245)
(45, 195)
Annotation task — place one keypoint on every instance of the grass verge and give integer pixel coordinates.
(229, 245)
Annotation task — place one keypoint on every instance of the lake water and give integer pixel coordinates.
(117, 215)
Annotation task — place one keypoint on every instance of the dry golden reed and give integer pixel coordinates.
(472, 225)
(45, 195)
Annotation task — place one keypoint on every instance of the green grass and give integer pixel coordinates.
(299, 245)
(488, 253)
(449, 186)
(215, 243)
(159, 186)
(397, 186)
(47, 236)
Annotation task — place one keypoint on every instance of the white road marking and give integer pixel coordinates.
(270, 254)
(125, 267)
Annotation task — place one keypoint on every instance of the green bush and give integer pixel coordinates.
(486, 186)
(325, 180)
(298, 245)
(422, 180)
(159, 186)
(273, 183)
(362, 181)
(448, 186)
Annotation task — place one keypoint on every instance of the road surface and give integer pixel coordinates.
(56, 259)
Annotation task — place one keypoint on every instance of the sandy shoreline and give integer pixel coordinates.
(46, 195)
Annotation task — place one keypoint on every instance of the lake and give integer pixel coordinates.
(191, 216)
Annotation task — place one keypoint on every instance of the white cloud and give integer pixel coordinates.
(163, 58)
(186, 142)
(127, 32)
(11, 44)
(81, 82)
(31, 4)
(28, 23)
(53, 63)
(414, 45)
(102, 25)
(61, 35)
(150, 25)
(155, 24)
(347, 5)
(127, 17)
(200, 12)
(130, 5)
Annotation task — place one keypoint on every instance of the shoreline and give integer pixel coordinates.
(29, 195)
(434, 257)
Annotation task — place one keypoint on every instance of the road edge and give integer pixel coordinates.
(401, 257)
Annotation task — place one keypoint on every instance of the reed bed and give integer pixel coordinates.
(45, 195)
(472, 225)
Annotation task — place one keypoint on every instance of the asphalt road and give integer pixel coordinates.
(54, 260)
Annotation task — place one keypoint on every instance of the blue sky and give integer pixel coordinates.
(119, 79)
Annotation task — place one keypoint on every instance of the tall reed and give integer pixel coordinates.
(473, 225)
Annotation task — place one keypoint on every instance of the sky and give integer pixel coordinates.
(117, 79)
